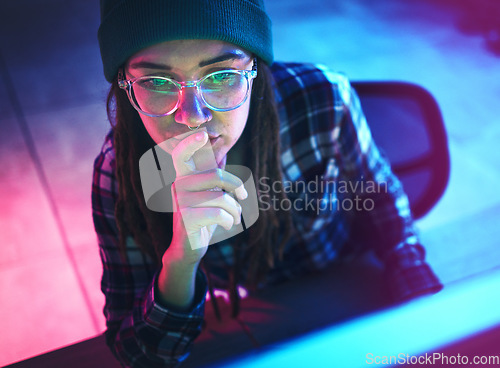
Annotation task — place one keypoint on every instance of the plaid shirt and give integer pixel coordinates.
(356, 202)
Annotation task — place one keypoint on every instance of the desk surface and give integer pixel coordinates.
(356, 323)
(95, 353)
(273, 314)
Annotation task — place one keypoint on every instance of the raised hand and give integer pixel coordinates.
(202, 198)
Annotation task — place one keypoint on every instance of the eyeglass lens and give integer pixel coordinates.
(159, 96)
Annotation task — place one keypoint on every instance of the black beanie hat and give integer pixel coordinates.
(128, 26)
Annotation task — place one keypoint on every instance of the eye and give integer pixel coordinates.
(222, 78)
(156, 84)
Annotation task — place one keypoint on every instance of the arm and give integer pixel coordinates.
(141, 331)
(325, 138)
(388, 227)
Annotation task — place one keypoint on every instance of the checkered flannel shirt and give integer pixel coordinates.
(324, 138)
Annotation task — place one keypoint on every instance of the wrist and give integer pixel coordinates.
(176, 285)
(178, 265)
(181, 252)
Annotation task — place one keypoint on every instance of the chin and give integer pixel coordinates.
(220, 158)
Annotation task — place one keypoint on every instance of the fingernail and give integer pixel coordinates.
(200, 136)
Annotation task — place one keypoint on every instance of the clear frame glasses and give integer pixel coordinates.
(223, 90)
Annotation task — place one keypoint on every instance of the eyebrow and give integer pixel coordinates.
(232, 55)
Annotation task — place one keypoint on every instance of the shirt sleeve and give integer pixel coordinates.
(351, 198)
(382, 220)
(140, 331)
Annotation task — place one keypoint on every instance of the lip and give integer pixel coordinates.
(213, 138)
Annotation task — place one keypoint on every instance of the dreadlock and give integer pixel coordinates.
(151, 231)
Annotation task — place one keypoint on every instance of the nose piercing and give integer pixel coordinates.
(207, 118)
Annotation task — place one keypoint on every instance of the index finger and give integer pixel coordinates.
(193, 154)
(170, 144)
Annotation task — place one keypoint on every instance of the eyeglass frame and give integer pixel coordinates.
(126, 84)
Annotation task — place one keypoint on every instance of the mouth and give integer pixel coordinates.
(213, 139)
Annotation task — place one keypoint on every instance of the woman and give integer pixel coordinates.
(200, 74)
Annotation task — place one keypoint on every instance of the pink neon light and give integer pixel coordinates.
(225, 295)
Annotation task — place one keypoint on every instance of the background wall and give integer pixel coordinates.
(52, 124)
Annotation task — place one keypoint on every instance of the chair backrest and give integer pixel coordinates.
(408, 127)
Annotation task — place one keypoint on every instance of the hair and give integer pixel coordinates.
(261, 244)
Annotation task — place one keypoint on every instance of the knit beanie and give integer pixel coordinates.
(128, 26)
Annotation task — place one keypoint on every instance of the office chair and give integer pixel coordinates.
(408, 127)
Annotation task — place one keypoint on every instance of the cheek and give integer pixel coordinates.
(234, 128)
(240, 119)
(154, 127)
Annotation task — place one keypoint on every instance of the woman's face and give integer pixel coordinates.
(188, 60)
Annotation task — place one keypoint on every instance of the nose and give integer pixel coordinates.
(191, 110)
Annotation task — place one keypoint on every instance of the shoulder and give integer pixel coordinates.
(105, 164)
(315, 80)
(105, 160)
(312, 101)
